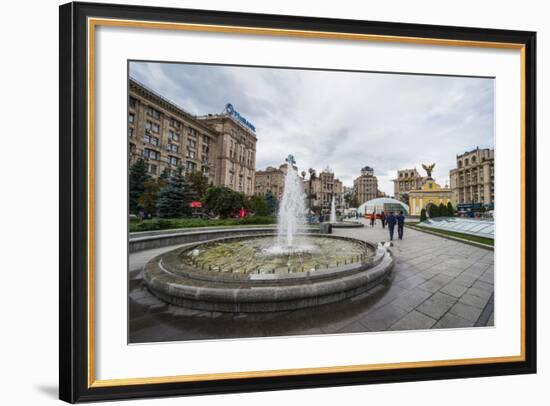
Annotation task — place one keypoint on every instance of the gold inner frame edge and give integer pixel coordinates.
(94, 22)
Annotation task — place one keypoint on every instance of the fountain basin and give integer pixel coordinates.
(347, 224)
(176, 279)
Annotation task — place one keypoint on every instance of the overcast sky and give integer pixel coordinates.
(344, 120)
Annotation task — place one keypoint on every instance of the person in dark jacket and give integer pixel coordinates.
(400, 224)
(391, 220)
(383, 218)
(373, 218)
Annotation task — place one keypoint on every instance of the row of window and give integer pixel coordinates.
(155, 127)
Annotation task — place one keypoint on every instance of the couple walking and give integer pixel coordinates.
(392, 221)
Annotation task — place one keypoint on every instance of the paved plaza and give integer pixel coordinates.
(436, 283)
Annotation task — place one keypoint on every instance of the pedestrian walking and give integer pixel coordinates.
(373, 218)
(383, 219)
(391, 220)
(400, 224)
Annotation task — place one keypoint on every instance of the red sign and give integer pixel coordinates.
(195, 205)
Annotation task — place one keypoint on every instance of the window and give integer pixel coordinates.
(148, 139)
(153, 113)
(191, 166)
(205, 139)
(192, 132)
(131, 117)
(150, 154)
(152, 168)
(132, 148)
(133, 102)
(130, 132)
(175, 123)
(172, 160)
(192, 143)
(174, 136)
(173, 148)
(150, 126)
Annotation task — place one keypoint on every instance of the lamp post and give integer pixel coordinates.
(310, 195)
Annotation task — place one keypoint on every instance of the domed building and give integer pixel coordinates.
(383, 203)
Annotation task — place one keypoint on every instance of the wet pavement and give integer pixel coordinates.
(436, 283)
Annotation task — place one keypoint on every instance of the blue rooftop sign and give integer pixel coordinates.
(229, 109)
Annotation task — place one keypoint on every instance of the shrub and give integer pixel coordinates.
(442, 210)
(423, 215)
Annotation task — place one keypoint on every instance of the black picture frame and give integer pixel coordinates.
(74, 384)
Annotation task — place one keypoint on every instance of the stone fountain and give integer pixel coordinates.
(292, 269)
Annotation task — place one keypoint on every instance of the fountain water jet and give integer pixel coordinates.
(291, 211)
(333, 211)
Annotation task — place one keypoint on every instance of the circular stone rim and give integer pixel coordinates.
(272, 296)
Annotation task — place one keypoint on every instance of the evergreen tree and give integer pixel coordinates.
(433, 210)
(423, 215)
(138, 177)
(272, 204)
(174, 198)
(450, 210)
(442, 210)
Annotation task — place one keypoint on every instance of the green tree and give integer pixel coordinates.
(423, 215)
(148, 199)
(258, 205)
(442, 210)
(272, 203)
(174, 197)
(433, 210)
(354, 201)
(223, 201)
(450, 210)
(199, 184)
(138, 177)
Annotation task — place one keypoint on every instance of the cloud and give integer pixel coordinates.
(344, 120)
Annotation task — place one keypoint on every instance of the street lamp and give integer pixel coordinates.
(312, 177)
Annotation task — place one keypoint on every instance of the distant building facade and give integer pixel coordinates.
(323, 188)
(167, 138)
(406, 180)
(365, 187)
(271, 180)
(473, 181)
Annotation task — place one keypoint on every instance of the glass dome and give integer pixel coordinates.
(383, 203)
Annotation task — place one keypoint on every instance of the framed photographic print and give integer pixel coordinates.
(257, 202)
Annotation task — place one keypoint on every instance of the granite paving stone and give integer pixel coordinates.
(451, 320)
(436, 283)
(465, 311)
(454, 289)
(411, 299)
(414, 321)
(437, 305)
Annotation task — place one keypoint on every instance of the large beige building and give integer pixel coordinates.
(235, 152)
(365, 187)
(406, 180)
(472, 181)
(168, 137)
